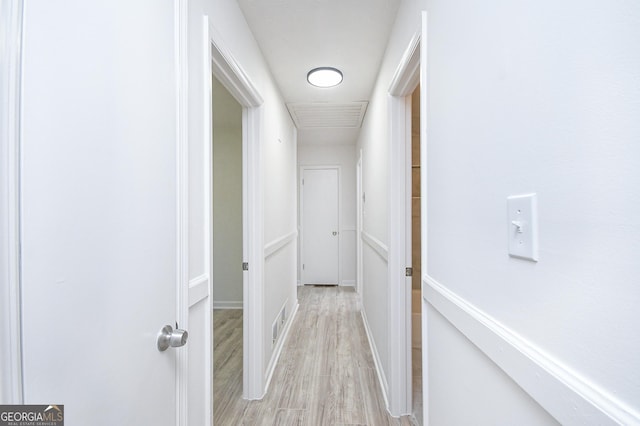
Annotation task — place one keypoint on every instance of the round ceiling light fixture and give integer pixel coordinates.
(324, 77)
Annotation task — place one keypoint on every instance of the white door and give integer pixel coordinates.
(320, 238)
(98, 210)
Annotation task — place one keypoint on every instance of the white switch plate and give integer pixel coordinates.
(522, 221)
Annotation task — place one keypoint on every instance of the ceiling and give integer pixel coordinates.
(296, 36)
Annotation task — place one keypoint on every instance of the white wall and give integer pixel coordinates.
(481, 394)
(538, 97)
(227, 199)
(277, 144)
(280, 219)
(523, 97)
(345, 157)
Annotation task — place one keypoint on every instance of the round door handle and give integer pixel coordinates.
(335, 233)
(170, 338)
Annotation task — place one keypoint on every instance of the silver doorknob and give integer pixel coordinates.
(335, 233)
(170, 338)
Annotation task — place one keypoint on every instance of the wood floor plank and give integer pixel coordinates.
(287, 417)
(325, 374)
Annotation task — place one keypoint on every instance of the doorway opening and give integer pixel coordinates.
(416, 256)
(227, 248)
(406, 264)
(229, 73)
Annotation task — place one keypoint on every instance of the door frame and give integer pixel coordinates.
(182, 211)
(410, 72)
(301, 215)
(11, 18)
(218, 61)
(359, 211)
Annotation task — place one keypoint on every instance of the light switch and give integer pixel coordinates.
(522, 223)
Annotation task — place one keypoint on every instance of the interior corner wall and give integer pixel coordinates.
(544, 97)
(277, 143)
(345, 157)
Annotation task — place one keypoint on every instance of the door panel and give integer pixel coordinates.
(99, 209)
(320, 226)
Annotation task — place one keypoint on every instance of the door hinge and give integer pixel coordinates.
(245, 266)
(303, 266)
(408, 272)
(303, 181)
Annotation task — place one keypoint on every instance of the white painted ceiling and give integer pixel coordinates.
(296, 36)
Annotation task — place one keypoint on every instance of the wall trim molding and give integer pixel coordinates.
(407, 74)
(565, 394)
(382, 378)
(198, 289)
(227, 304)
(279, 243)
(359, 203)
(377, 245)
(231, 74)
(278, 348)
(403, 83)
(11, 386)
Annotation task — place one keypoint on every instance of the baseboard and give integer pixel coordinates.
(227, 305)
(562, 392)
(278, 349)
(376, 360)
(348, 283)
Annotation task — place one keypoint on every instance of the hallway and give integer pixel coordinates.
(325, 375)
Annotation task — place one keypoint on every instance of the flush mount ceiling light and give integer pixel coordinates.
(324, 77)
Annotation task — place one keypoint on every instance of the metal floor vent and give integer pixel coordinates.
(327, 115)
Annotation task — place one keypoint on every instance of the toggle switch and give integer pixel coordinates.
(522, 219)
(518, 226)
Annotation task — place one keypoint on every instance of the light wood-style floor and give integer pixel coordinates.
(325, 375)
(416, 365)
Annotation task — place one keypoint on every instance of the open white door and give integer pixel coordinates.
(98, 210)
(320, 227)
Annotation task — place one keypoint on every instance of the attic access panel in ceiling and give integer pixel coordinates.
(327, 115)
